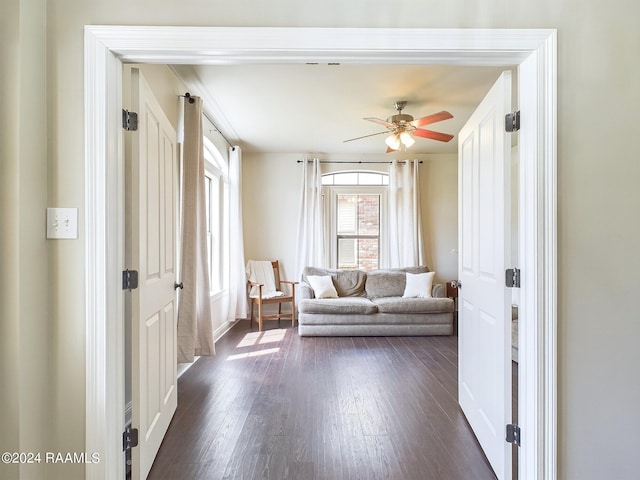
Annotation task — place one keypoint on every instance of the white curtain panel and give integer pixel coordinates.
(406, 247)
(237, 278)
(310, 249)
(195, 322)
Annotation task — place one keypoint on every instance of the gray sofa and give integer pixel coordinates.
(371, 304)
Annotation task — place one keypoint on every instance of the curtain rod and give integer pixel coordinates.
(190, 99)
(355, 161)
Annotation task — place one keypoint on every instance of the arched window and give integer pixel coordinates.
(355, 178)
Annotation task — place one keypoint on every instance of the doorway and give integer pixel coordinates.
(533, 51)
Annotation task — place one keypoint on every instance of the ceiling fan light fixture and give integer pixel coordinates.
(393, 141)
(406, 139)
(401, 128)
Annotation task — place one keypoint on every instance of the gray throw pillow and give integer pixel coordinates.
(348, 283)
(389, 282)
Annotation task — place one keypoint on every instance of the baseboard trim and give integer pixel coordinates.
(224, 328)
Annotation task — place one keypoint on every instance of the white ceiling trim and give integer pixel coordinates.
(225, 46)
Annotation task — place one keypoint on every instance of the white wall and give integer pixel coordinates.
(271, 195)
(598, 198)
(439, 199)
(10, 237)
(26, 332)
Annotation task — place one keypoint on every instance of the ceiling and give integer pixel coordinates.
(313, 108)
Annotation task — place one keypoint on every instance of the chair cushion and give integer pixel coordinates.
(344, 306)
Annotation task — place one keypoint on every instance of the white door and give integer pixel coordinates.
(484, 376)
(152, 200)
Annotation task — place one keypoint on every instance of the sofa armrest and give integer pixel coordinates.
(305, 291)
(439, 291)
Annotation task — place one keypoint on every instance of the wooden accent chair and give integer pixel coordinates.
(260, 301)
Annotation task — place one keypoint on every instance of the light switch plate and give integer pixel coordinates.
(62, 223)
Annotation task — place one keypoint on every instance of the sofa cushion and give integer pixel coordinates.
(338, 306)
(322, 286)
(419, 285)
(390, 282)
(413, 305)
(348, 283)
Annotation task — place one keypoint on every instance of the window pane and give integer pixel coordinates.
(347, 214)
(215, 217)
(346, 178)
(215, 206)
(362, 253)
(224, 235)
(358, 220)
(216, 264)
(209, 259)
(368, 253)
(347, 253)
(358, 215)
(355, 178)
(213, 156)
(207, 201)
(368, 214)
(366, 178)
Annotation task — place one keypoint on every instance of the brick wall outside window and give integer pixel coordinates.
(361, 253)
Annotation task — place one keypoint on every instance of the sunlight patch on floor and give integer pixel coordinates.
(261, 338)
(257, 353)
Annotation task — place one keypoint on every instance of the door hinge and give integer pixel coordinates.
(129, 120)
(513, 434)
(129, 438)
(512, 121)
(129, 279)
(512, 278)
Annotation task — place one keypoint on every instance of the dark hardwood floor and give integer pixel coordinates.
(278, 406)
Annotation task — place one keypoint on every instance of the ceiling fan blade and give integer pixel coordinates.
(433, 118)
(442, 137)
(389, 150)
(380, 121)
(365, 136)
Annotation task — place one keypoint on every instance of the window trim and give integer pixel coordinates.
(331, 193)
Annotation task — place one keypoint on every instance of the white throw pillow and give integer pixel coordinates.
(322, 286)
(419, 285)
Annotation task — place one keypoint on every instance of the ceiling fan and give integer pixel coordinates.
(402, 127)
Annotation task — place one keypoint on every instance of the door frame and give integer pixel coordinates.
(533, 51)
